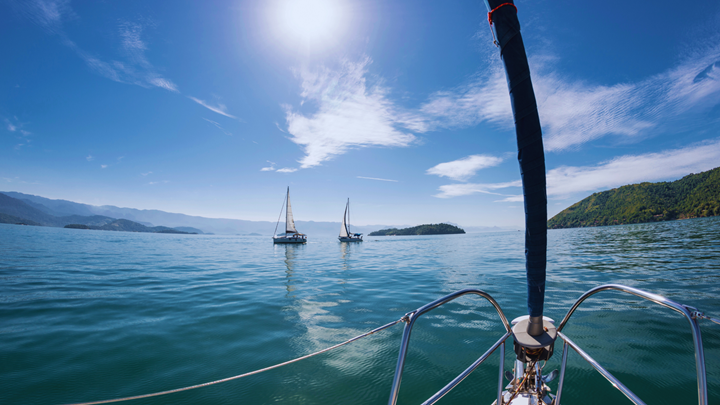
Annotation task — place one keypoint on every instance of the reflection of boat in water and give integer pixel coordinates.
(291, 234)
(290, 259)
(345, 234)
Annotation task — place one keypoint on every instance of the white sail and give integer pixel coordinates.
(289, 221)
(343, 228)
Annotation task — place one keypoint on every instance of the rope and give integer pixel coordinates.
(278, 221)
(155, 394)
(490, 20)
(517, 389)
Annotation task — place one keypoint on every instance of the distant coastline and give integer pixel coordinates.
(31, 209)
(129, 226)
(427, 229)
(26, 212)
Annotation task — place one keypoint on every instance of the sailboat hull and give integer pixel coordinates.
(289, 240)
(348, 239)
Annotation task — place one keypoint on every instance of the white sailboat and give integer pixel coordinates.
(345, 235)
(291, 234)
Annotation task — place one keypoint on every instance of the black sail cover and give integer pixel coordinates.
(531, 155)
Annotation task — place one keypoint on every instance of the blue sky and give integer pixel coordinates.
(213, 108)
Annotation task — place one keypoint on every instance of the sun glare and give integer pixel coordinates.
(310, 23)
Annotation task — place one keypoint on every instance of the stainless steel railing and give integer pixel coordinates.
(410, 319)
(690, 313)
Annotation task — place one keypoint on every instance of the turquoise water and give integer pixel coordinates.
(90, 315)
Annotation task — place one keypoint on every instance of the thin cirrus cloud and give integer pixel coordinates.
(463, 169)
(350, 115)
(461, 189)
(134, 69)
(565, 181)
(220, 108)
(375, 178)
(226, 132)
(574, 112)
(10, 126)
(16, 126)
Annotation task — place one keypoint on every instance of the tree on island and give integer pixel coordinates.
(427, 229)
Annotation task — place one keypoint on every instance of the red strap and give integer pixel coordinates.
(495, 9)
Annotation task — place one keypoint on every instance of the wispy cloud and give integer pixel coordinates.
(350, 114)
(629, 169)
(163, 84)
(512, 198)
(10, 126)
(18, 180)
(270, 168)
(103, 166)
(152, 183)
(226, 132)
(463, 169)
(220, 108)
(48, 14)
(135, 69)
(15, 125)
(287, 170)
(457, 190)
(576, 112)
(145, 174)
(90, 158)
(375, 178)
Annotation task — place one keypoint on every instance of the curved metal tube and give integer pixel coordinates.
(411, 317)
(658, 299)
(613, 380)
(562, 373)
(457, 380)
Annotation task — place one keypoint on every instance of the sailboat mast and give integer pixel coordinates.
(531, 156)
(348, 210)
(287, 211)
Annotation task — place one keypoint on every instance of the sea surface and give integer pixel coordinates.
(92, 315)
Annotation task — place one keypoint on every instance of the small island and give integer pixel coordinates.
(427, 229)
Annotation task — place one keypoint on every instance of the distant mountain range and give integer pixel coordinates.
(693, 196)
(31, 209)
(27, 212)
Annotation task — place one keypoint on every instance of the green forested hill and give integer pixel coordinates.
(695, 195)
(429, 229)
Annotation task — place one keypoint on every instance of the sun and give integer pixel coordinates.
(309, 23)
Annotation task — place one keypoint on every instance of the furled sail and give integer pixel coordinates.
(289, 221)
(343, 228)
(531, 156)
